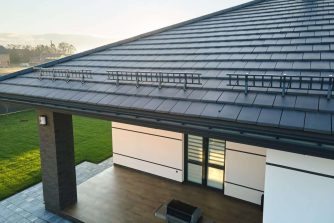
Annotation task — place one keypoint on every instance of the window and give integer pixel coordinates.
(205, 159)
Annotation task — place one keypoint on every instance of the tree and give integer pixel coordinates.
(25, 53)
(66, 48)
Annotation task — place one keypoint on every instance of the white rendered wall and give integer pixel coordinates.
(244, 171)
(150, 150)
(301, 195)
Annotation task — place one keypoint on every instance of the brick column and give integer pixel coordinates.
(57, 159)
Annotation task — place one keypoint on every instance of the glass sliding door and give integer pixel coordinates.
(215, 163)
(205, 159)
(195, 159)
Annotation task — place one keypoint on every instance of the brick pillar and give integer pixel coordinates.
(57, 159)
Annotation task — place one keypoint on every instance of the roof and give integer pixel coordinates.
(3, 50)
(261, 37)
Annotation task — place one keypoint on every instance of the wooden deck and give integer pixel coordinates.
(123, 195)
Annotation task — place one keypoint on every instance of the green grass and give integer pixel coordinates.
(19, 148)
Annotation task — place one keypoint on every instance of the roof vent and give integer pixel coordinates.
(155, 77)
(63, 74)
(283, 82)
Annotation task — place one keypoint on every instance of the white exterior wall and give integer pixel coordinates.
(244, 171)
(150, 150)
(295, 195)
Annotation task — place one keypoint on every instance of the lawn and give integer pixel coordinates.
(19, 148)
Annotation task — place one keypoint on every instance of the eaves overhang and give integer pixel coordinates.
(315, 144)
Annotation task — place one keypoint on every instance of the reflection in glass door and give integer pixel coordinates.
(215, 164)
(195, 159)
(205, 161)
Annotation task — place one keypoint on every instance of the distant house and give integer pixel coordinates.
(4, 57)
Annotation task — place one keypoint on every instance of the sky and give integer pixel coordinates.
(105, 20)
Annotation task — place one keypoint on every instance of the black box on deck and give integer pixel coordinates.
(180, 212)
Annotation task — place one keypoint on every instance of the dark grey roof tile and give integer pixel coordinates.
(230, 112)
(163, 92)
(67, 95)
(269, 117)
(252, 65)
(77, 97)
(287, 101)
(211, 110)
(237, 65)
(294, 56)
(318, 122)
(327, 55)
(268, 65)
(274, 48)
(106, 100)
(195, 108)
(307, 103)
(246, 99)
(212, 64)
(129, 102)
(292, 119)
(263, 56)
(197, 94)
(326, 105)
(332, 124)
(181, 107)
(118, 99)
(212, 96)
(249, 114)
(142, 90)
(100, 87)
(112, 88)
(311, 56)
(324, 47)
(303, 48)
(140, 103)
(323, 65)
(124, 89)
(183, 94)
(278, 56)
(284, 65)
(264, 99)
(98, 97)
(166, 105)
(301, 65)
(228, 96)
(87, 97)
(153, 104)
(213, 83)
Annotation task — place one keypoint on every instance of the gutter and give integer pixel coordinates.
(314, 144)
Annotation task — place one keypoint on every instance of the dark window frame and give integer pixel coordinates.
(204, 164)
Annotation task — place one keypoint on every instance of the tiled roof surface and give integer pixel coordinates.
(295, 37)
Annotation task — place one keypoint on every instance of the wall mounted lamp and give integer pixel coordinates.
(43, 120)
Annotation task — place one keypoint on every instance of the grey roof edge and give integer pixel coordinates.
(244, 132)
(128, 40)
(37, 102)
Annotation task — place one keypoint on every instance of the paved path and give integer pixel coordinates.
(27, 206)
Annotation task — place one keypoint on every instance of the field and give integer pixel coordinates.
(19, 148)
(8, 70)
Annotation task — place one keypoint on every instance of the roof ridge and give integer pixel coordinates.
(128, 40)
